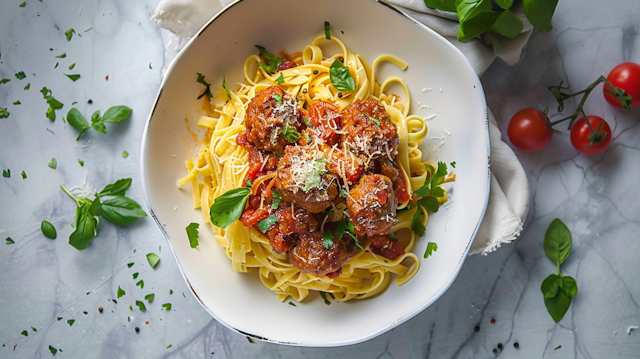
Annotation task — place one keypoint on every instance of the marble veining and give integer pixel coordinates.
(44, 279)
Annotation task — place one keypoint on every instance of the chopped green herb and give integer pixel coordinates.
(290, 134)
(274, 61)
(171, 291)
(558, 347)
(56, 66)
(279, 101)
(393, 236)
(207, 90)
(227, 208)
(167, 306)
(27, 87)
(24, 175)
(135, 275)
(4, 81)
(314, 177)
(150, 66)
(344, 193)
(20, 75)
(53, 163)
(4, 113)
(16, 102)
(141, 305)
(121, 292)
(327, 240)
(125, 154)
(192, 234)
(62, 55)
(53, 103)
(70, 322)
(73, 103)
(183, 295)
(149, 297)
(375, 120)
(276, 198)
(25, 333)
(6, 173)
(324, 296)
(453, 164)
(266, 223)
(53, 350)
(153, 259)
(140, 284)
(34, 329)
(338, 233)
(48, 230)
(169, 346)
(23, 4)
(292, 304)
(59, 318)
(431, 247)
(129, 264)
(558, 290)
(9, 240)
(224, 86)
(280, 79)
(130, 307)
(250, 340)
(88, 29)
(74, 78)
(81, 162)
(72, 66)
(69, 33)
(327, 33)
(341, 78)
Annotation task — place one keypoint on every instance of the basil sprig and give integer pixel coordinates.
(479, 16)
(341, 78)
(428, 196)
(116, 209)
(112, 115)
(558, 289)
(227, 208)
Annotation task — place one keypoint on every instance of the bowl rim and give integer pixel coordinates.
(144, 154)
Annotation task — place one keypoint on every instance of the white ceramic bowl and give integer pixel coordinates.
(239, 300)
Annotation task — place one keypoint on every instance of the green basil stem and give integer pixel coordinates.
(70, 195)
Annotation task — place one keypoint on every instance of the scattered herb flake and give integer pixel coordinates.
(140, 284)
(125, 154)
(314, 177)
(324, 296)
(6, 173)
(4, 81)
(327, 33)
(167, 306)
(344, 193)
(59, 318)
(279, 101)
(274, 61)
(250, 340)
(9, 240)
(81, 162)
(53, 103)
(74, 78)
(207, 90)
(24, 175)
(34, 329)
(171, 291)
(291, 303)
(70, 322)
(72, 66)
(88, 29)
(431, 247)
(276, 199)
(169, 346)
(280, 79)
(266, 223)
(150, 66)
(55, 67)
(121, 292)
(4, 113)
(129, 265)
(141, 305)
(69, 33)
(149, 297)
(135, 275)
(375, 120)
(62, 55)
(53, 350)
(558, 347)
(290, 134)
(25, 333)
(53, 163)
(183, 295)
(453, 164)
(226, 89)
(153, 259)
(17, 102)
(192, 233)
(327, 240)
(23, 4)
(20, 75)
(27, 87)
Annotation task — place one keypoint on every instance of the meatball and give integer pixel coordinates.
(372, 205)
(386, 247)
(310, 255)
(367, 129)
(284, 233)
(272, 119)
(302, 178)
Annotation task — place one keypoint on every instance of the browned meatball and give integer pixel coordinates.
(284, 233)
(270, 112)
(372, 205)
(302, 178)
(369, 132)
(310, 255)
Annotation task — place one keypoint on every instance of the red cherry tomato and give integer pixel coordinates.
(528, 130)
(581, 132)
(627, 77)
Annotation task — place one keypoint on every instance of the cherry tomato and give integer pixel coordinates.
(528, 130)
(627, 77)
(581, 133)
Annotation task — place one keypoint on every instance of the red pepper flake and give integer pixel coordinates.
(14, 347)
(493, 321)
(107, 78)
(147, 323)
(100, 309)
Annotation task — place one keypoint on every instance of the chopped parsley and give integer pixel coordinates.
(23, 4)
(266, 223)
(292, 304)
(207, 90)
(125, 154)
(53, 103)
(55, 67)
(70, 322)
(24, 175)
(171, 291)
(140, 284)
(151, 68)
(224, 86)
(74, 78)
(4, 113)
(62, 55)
(169, 346)
(149, 297)
(27, 87)
(141, 305)
(153, 259)
(121, 292)
(278, 100)
(130, 264)
(192, 233)
(81, 162)
(4, 81)
(344, 193)
(249, 183)
(276, 198)
(25, 333)
(324, 296)
(69, 33)
(20, 75)
(53, 350)
(327, 33)
(327, 240)
(290, 134)
(17, 102)
(274, 61)
(280, 80)
(558, 347)
(167, 306)
(431, 247)
(6, 173)
(135, 275)
(453, 164)
(53, 163)
(314, 177)
(375, 120)
(9, 240)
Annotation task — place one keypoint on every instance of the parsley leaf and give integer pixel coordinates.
(278, 100)
(53, 163)
(227, 208)
(340, 229)
(207, 90)
(324, 296)
(24, 175)
(53, 103)
(121, 292)
(327, 33)
(375, 120)
(280, 80)
(53, 350)
(431, 247)
(167, 306)
(341, 77)
(6, 173)
(48, 230)
(69, 33)
(276, 198)
(453, 164)
(314, 177)
(74, 78)
(416, 223)
(62, 55)
(430, 203)
(4, 81)
(9, 241)
(266, 223)
(141, 305)
(153, 259)
(140, 284)
(290, 134)
(327, 240)
(149, 297)
(224, 86)
(192, 233)
(274, 61)
(20, 75)
(4, 113)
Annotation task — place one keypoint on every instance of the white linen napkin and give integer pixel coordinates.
(509, 198)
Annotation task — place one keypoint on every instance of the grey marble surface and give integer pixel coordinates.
(45, 279)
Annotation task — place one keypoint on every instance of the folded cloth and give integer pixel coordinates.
(509, 198)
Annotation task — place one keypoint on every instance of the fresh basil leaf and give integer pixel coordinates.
(207, 90)
(505, 4)
(327, 240)
(69, 33)
(121, 292)
(97, 123)
(274, 61)
(477, 25)
(122, 210)
(116, 189)
(430, 203)
(76, 120)
(375, 120)
(4, 113)
(444, 5)
(290, 134)
(558, 305)
(266, 223)
(341, 77)
(416, 223)
(167, 306)
(20, 75)
(153, 259)
(327, 33)
(278, 100)
(53, 163)
(86, 224)
(74, 78)
(227, 208)
(540, 13)
(438, 178)
(116, 114)
(224, 86)
(6, 173)
(48, 230)
(550, 286)
(508, 24)
(431, 247)
(141, 305)
(557, 241)
(280, 79)
(149, 297)
(192, 233)
(276, 198)
(569, 286)
(340, 229)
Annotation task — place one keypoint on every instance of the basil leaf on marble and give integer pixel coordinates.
(569, 286)
(341, 78)
(192, 233)
(20, 75)
(550, 286)
(77, 121)
(153, 259)
(122, 210)
(558, 305)
(48, 230)
(116, 114)
(4, 81)
(97, 123)
(86, 223)
(227, 208)
(116, 189)
(140, 284)
(9, 240)
(557, 242)
(540, 13)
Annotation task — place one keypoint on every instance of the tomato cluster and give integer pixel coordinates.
(530, 129)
